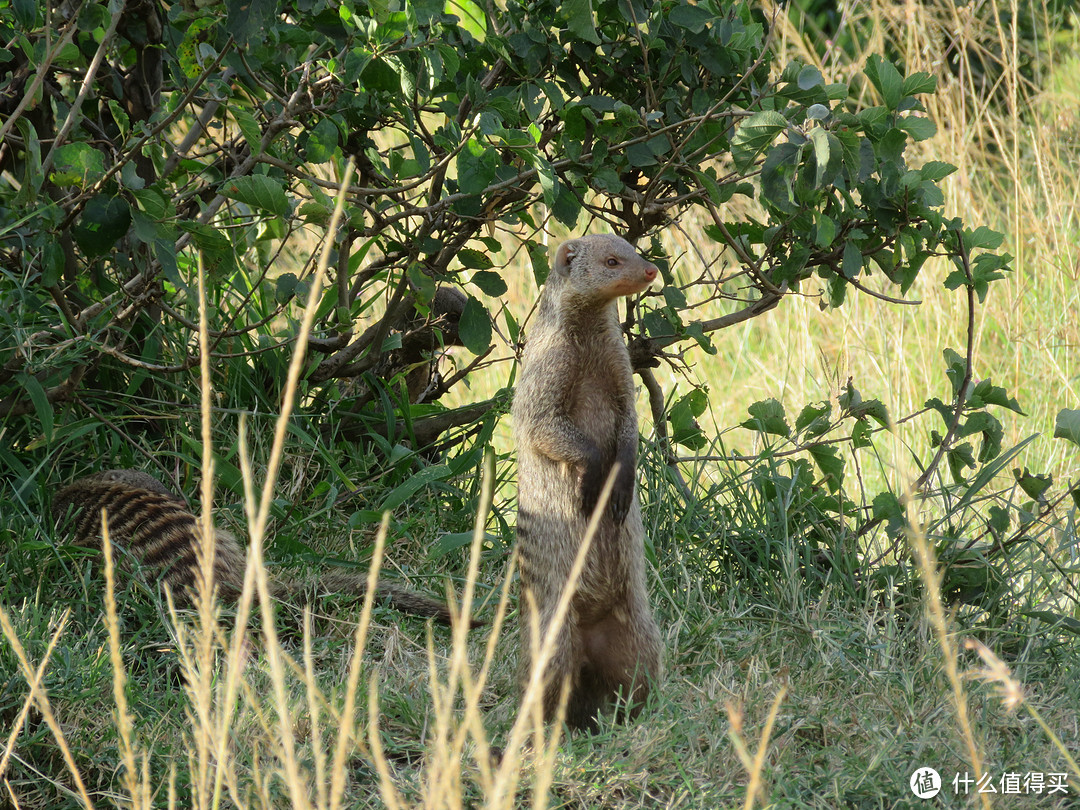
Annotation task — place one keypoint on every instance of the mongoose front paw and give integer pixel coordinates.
(592, 484)
(622, 495)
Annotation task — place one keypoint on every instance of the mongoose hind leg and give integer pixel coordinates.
(621, 658)
(562, 670)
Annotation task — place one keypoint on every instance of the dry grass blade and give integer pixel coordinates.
(202, 673)
(530, 719)
(935, 611)
(386, 782)
(347, 736)
(259, 512)
(137, 794)
(1012, 695)
(34, 682)
(754, 764)
(37, 695)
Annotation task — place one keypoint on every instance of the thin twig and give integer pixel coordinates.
(961, 395)
(76, 106)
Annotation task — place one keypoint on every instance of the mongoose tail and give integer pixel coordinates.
(575, 418)
(157, 529)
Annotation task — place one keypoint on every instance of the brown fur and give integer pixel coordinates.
(157, 529)
(574, 418)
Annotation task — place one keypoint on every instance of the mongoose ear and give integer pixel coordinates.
(564, 255)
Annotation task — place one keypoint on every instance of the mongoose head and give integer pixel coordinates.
(130, 478)
(601, 268)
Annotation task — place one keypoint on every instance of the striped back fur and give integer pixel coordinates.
(156, 528)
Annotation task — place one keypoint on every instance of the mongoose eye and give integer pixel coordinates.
(612, 261)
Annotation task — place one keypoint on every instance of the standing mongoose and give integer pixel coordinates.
(157, 529)
(574, 419)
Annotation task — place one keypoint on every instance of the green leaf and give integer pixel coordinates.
(249, 20)
(692, 18)
(249, 128)
(919, 128)
(828, 459)
(567, 207)
(955, 280)
(860, 434)
(474, 259)
(696, 331)
(1067, 426)
(918, 83)
(538, 255)
(936, 170)
(320, 144)
(986, 393)
(421, 281)
(767, 416)
(961, 457)
(875, 120)
(983, 237)
(837, 291)
(956, 369)
(152, 202)
(314, 212)
(683, 418)
(285, 287)
(25, 13)
(77, 164)
(188, 51)
(810, 77)
(853, 261)
(814, 420)
(1056, 619)
(452, 541)
(205, 237)
(1034, 486)
(474, 328)
(103, 222)
(887, 507)
(489, 283)
(778, 174)
(754, 136)
(824, 231)
(258, 191)
(986, 424)
(52, 263)
(579, 19)
(998, 520)
(472, 17)
(605, 178)
(640, 155)
(476, 166)
(42, 407)
(415, 483)
(886, 79)
(819, 138)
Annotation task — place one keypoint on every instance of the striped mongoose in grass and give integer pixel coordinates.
(157, 529)
(574, 419)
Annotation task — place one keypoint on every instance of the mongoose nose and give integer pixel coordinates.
(650, 272)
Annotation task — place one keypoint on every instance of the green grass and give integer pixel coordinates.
(761, 595)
